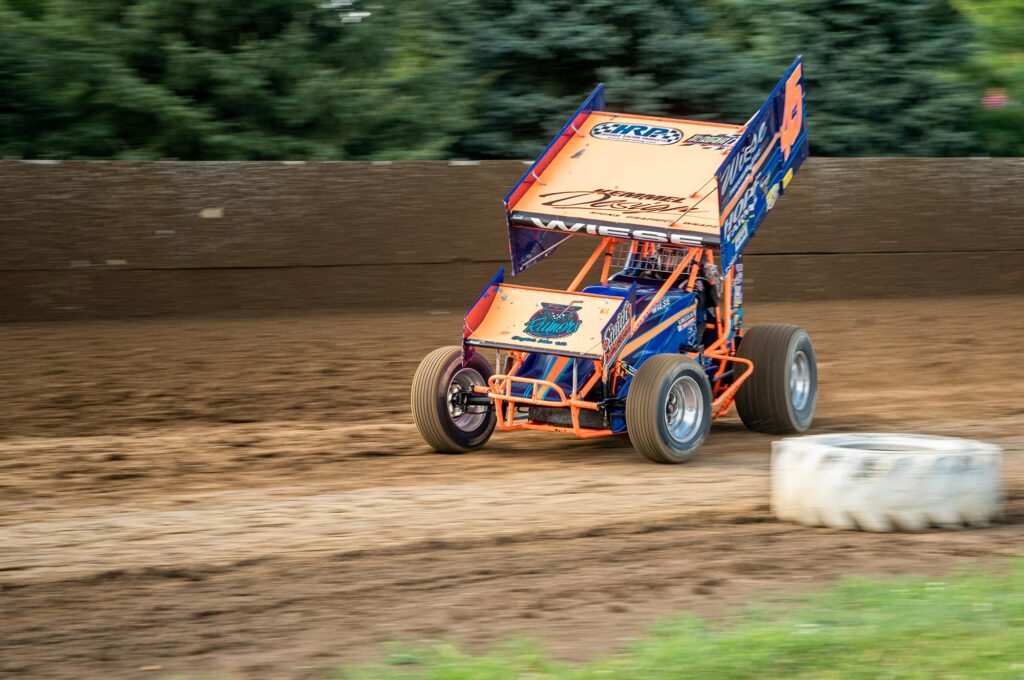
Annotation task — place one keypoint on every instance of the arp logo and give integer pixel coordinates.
(553, 321)
(634, 132)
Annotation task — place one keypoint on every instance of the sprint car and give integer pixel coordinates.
(648, 338)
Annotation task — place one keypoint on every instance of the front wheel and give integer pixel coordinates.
(780, 395)
(443, 419)
(668, 408)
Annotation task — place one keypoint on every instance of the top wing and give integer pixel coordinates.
(653, 175)
(628, 176)
(658, 180)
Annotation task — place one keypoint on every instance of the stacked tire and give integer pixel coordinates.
(886, 482)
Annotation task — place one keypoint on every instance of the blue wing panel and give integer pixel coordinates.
(761, 163)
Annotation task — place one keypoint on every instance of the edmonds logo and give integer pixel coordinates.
(553, 321)
(633, 132)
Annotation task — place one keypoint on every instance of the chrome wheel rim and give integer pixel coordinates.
(800, 381)
(684, 408)
(471, 417)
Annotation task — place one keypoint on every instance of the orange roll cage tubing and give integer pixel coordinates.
(605, 243)
(665, 287)
(499, 389)
(724, 401)
(692, 280)
(607, 263)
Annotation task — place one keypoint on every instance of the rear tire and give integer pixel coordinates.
(780, 395)
(668, 408)
(445, 426)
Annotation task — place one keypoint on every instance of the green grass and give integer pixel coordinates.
(968, 626)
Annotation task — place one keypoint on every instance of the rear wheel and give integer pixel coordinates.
(668, 409)
(444, 421)
(780, 395)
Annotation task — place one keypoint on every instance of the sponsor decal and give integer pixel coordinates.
(711, 141)
(737, 283)
(612, 200)
(635, 132)
(663, 304)
(741, 214)
(634, 233)
(688, 319)
(773, 195)
(540, 341)
(688, 325)
(692, 223)
(616, 330)
(741, 161)
(741, 235)
(553, 321)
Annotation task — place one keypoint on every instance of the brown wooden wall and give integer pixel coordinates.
(118, 239)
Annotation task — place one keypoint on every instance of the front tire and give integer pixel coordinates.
(442, 422)
(668, 408)
(780, 395)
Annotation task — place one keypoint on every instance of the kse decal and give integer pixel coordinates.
(553, 321)
(635, 132)
(711, 141)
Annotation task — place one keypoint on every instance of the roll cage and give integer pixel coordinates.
(691, 265)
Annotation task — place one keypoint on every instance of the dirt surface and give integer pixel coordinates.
(248, 497)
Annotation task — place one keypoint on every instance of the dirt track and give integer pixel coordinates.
(248, 496)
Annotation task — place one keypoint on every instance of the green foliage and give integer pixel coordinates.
(222, 79)
(876, 71)
(970, 626)
(418, 79)
(542, 57)
(999, 66)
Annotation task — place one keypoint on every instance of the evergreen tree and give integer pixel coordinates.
(878, 73)
(540, 58)
(369, 79)
(225, 79)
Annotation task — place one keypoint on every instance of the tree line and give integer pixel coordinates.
(427, 79)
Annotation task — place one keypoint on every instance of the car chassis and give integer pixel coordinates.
(720, 351)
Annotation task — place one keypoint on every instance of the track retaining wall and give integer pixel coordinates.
(121, 239)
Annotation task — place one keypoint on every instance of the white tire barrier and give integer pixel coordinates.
(886, 482)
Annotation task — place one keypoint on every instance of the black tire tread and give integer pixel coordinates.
(762, 401)
(423, 397)
(643, 407)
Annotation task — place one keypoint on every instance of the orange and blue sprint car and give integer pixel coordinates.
(655, 346)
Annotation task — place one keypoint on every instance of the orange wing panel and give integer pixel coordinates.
(549, 321)
(616, 170)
